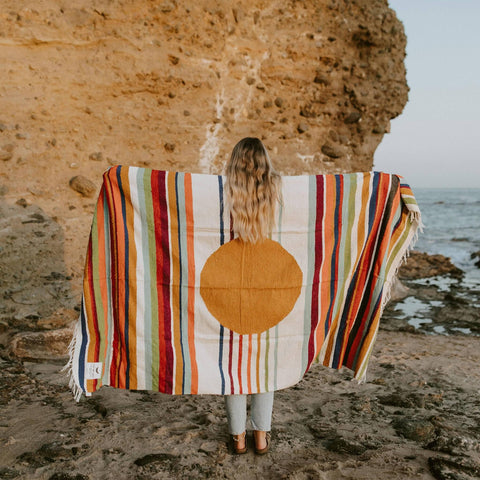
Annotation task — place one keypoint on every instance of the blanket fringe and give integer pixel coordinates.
(68, 369)
(415, 218)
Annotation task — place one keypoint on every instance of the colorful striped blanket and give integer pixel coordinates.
(172, 302)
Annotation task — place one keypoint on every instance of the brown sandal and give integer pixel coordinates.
(234, 441)
(263, 451)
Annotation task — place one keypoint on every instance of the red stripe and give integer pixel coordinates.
(157, 177)
(318, 261)
(167, 318)
(162, 247)
(240, 349)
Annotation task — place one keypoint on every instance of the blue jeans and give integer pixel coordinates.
(260, 412)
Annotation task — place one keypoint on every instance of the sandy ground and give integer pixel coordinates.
(417, 416)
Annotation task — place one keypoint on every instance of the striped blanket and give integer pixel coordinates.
(172, 302)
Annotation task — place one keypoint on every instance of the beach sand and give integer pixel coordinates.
(417, 416)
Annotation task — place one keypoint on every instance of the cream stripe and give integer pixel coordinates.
(140, 314)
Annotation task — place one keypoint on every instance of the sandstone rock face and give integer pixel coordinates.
(131, 78)
(169, 85)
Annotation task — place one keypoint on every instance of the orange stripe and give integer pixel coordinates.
(175, 295)
(102, 267)
(329, 233)
(191, 282)
(118, 259)
(132, 282)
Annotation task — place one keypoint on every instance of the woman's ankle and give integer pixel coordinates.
(240, 440)
(260, 438)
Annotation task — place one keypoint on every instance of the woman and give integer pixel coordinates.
(253, 189)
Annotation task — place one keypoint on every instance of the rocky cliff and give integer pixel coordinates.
(171, 85)
(175, 84)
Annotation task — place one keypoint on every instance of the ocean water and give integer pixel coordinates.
(452, 226)
(451, 220)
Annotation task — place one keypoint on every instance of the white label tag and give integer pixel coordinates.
(93, 371)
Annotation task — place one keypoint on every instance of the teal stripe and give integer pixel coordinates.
(182, 234)
(307, 321)
(143, 182)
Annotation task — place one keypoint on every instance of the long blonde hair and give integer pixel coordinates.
(253, 188)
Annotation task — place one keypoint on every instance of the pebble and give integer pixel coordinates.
(96, 156)
(154, 458)
(82, 185)
(449, 469)
(302, 127)
(44, 345)
(342, 445)
(166, 7)
(476, 255)
(5, 156)
(331, 151)
(9, 147)
(208, 447)
(418, 430)
(169, 147)
(321, 79)
(352, 117)
(279, 102)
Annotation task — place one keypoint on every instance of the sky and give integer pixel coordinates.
(435, 142)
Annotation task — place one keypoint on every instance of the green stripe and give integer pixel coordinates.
(99, 310)
(143, 182)
(153, 300)
(399, 245)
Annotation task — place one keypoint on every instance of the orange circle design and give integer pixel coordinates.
(248, 287)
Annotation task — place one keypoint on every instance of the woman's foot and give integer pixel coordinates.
(239, 443)
(262, 441)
